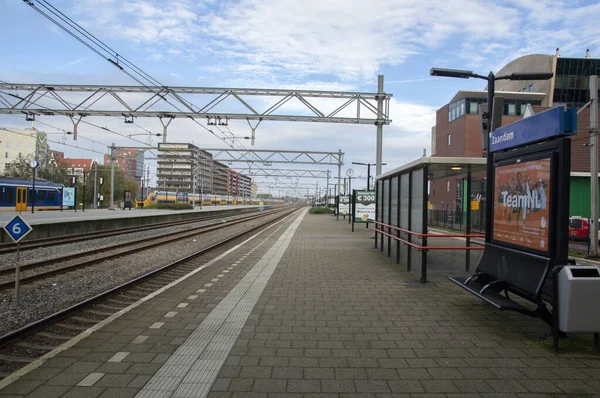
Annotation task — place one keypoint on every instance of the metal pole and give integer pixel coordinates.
(489, 203)
(75, 193)
(379, 123)
(468, 229)
(340, 171)
(351, 200)
(83, 201)
(594, 165)
(96, 185)
(112, 176)
(368, 176)
(18, 275)
(33, 191)
(193, 184)
(424, 226)
(327, 191)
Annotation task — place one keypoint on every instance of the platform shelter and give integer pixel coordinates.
(401, 226)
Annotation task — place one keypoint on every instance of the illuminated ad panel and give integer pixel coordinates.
(522, 204)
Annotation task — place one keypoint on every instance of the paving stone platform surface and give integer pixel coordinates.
(323, 314)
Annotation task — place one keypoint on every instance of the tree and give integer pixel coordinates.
(21, 169)
(103, 176)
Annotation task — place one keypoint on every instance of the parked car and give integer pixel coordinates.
(579, 228)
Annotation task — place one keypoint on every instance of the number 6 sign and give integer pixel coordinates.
(17, 228)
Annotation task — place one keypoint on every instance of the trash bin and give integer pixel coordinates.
(578, 298)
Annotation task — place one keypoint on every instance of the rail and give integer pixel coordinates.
(424, 248)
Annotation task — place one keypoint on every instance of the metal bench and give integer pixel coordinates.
(502, 271)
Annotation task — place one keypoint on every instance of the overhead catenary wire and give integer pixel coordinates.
(54, 142)
(99, 47)
(88, 123)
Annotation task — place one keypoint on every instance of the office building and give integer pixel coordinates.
(129, 161)
(18, 143)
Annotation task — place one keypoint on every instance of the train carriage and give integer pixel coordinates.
(16, 195)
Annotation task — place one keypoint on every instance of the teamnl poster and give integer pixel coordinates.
(522, 207)
(365, 206)
(344, 205)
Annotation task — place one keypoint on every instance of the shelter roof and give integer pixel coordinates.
(440, 167)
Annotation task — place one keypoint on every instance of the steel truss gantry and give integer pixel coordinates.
(284, 173)
(265, 157)
(198, 103)
(77, 101)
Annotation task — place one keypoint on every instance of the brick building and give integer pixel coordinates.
(457, 132)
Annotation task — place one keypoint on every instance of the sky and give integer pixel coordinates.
(320, 45)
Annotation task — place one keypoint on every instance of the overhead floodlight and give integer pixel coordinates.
(463, 74)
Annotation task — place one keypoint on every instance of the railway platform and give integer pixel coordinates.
(309, 309)
(70, 222)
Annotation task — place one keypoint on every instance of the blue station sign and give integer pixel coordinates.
(542, 126)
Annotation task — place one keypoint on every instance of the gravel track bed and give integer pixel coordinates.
(46, 297)
(33, 255)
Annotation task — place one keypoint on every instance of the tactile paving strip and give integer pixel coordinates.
(193, 368)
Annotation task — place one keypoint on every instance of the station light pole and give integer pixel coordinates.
(491, 79)
(368, 171)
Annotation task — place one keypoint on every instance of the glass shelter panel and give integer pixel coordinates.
(386, 212)
(404, 215)
(394, 213)
(416, 212)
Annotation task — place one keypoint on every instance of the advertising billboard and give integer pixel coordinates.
(68, 196)
(522, 204)
(344, 205)
(365, 206)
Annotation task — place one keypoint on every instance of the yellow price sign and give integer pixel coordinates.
(474, 205)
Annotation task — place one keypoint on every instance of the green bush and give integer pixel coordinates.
(320, 210)
(170, 206)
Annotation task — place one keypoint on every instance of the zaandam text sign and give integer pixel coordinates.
(539, 127)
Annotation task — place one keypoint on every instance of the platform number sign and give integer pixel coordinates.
(17, 228)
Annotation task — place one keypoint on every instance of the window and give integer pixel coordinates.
(9, 195)
(448, 186)
(51, 196)
(449, 139)
(41, 195)
(473, 108)
(512, 110)
(531, 88)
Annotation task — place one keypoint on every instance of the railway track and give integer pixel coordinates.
(24, 345)
(38, 270)
(44, 242)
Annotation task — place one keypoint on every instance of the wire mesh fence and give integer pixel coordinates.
(456, 219)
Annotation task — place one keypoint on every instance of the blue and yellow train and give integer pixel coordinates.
(156, 197)
(16, 195)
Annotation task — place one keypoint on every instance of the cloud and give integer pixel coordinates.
(69, 64)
